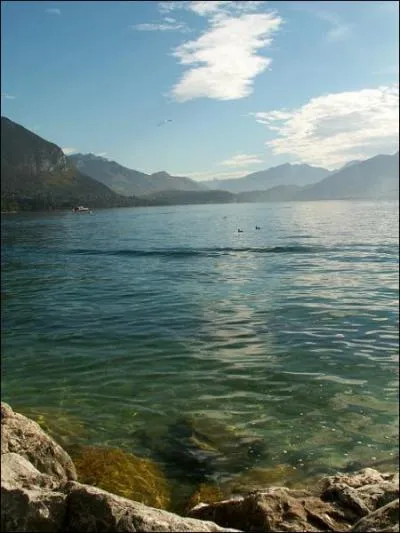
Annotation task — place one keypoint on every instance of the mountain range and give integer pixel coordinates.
(262, 180)
(36, 175)
(130, 182)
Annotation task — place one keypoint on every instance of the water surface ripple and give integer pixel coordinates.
(129, 318)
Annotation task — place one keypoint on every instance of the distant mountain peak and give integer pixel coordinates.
(161, 174)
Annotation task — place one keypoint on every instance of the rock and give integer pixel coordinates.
(385, 519)
(30, 500)
(275, 509)
(94, 510)
(362, 492)
(23, 436)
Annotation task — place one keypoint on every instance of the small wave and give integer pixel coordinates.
(190, 252)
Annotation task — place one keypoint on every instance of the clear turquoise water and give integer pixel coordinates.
(128, 319)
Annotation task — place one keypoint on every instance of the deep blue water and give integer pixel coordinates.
(127, 319)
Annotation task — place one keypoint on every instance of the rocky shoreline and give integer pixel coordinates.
(40, 492)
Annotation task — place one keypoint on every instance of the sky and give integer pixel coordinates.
(212, 89)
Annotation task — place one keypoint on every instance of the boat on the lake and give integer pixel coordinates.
(81, 209)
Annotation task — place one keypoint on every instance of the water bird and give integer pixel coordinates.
(164, 122)
(240, 230)
(258, 227)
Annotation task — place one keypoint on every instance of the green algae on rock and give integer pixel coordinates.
(124, 474)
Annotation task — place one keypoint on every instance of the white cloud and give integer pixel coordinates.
(53, 11)
(223, 61)
(101, 154)
(7, 96)
(69, 151)
(242, 160)
(210, 174)
(331, 129)
(163, 26)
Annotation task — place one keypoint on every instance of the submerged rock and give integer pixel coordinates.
(203, 448)
(259, 478)
(65, 428)
(123, 474)
(205, 493)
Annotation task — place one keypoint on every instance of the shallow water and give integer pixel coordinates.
(128, 319)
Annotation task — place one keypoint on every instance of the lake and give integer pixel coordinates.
(122, 322)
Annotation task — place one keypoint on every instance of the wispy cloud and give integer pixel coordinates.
(331, 129)
(69, 151)
(242, 160)
(8, 96)
(208, 7)
(166, 7)
(101, 154)
(338, 30)
(53, 11)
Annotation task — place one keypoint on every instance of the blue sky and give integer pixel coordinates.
(247, 85)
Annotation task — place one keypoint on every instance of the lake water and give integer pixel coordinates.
(128, 319)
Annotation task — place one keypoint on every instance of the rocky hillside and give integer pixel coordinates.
(128, 182)
(35, 174)
(40, 491)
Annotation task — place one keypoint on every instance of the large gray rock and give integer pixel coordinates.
(94, 510)
(341, 502)
(385, 520)
(362, 492)
(274, 509)
(30, 500)
(25, 437)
